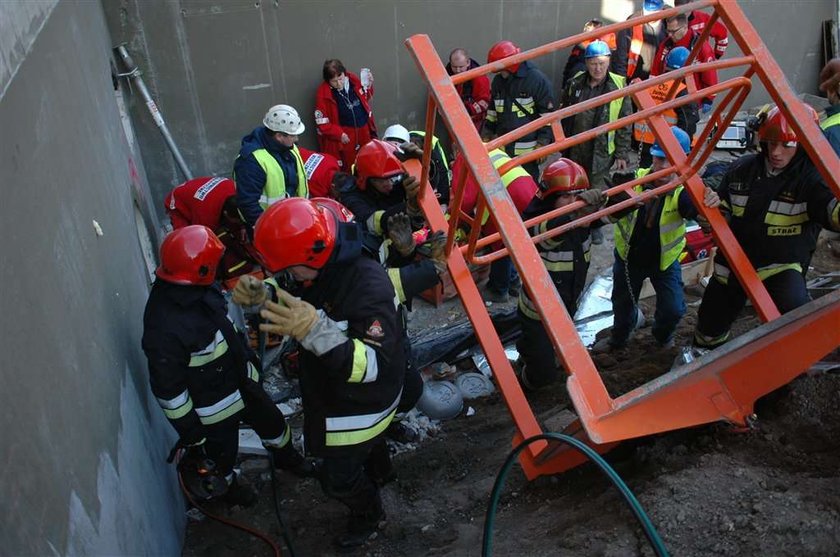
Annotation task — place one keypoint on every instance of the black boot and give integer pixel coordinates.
(290, 460)
(362, 527)
(239, 494)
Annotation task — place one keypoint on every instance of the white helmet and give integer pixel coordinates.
(283, 118)
(396, 132)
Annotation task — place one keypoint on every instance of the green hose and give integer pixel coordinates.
(650, 531)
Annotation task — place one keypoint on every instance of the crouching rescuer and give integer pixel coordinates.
(203, 373)
(352, 360)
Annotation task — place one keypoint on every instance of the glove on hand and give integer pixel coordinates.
(412, 188)
(399, 232)
(436, 243)
(619, 178)
(290, 317)
(595, 198)
(249, 291)
(409, 151)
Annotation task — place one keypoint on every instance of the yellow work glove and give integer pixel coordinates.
(290, 317)
(249, 291)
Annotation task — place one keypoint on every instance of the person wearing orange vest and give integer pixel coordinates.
(698, 20)
(680, 34)
(635, 47)
(684, 117)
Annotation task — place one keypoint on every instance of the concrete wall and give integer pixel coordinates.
(216, 66)
(83, 443)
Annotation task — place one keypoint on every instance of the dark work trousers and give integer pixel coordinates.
(502, 272)
(260, 413)
(723, 302)
(535, 348)
(352, 478)
(670, 301)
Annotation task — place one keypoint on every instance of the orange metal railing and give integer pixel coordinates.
(723, 385)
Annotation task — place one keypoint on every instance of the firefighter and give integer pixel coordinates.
(269, 166)
(520, 93)
(211, 202)
(504, 280)
(698, 20)
(202, 371)
(684, 117)
(352, 362)
(343, 116)
(775, 202)
(382, 188)
(636, 46)
(566, 258)
(475, 93)
(648, 243)
(598, 155)
(680, 34)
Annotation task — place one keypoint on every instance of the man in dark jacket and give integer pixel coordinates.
(520, 93)
(352, 360)
(269, 166)
(201, 370)
(775, 202)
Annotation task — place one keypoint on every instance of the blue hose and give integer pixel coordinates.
(489, 519)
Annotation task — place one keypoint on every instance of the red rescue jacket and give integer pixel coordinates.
(320, 169)
(326, 115)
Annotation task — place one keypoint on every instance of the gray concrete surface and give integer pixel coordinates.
(216, 66)
(83, 442)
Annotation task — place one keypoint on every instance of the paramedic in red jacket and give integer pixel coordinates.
(342, 114)
(320, 169)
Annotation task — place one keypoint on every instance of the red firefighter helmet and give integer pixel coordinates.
(562, 176)
(295, 231)
(775, 127)
(190, 255)
(376, 159)
(339, 211)
(501, 50)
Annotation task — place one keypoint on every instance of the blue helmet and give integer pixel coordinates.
(682, 137)
(652, 5)
(597, 48)
(676, 58)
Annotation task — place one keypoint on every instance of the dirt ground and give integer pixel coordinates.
(712, 490)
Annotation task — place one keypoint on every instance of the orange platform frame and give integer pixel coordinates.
(723, 384)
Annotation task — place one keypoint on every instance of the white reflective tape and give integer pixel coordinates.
(364, 421)
(739, 200)
(205, 411)
(218, 339)
(559, 256)
(784, 208)
(372, 370)
(176, 402)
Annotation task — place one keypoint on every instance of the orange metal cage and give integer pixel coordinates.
(724, 384)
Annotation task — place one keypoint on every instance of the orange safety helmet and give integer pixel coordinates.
(502, 50)
(376, 159)
(339, 211)
(775, 127)
(190, 255)
(562, 176)
(295, 231)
